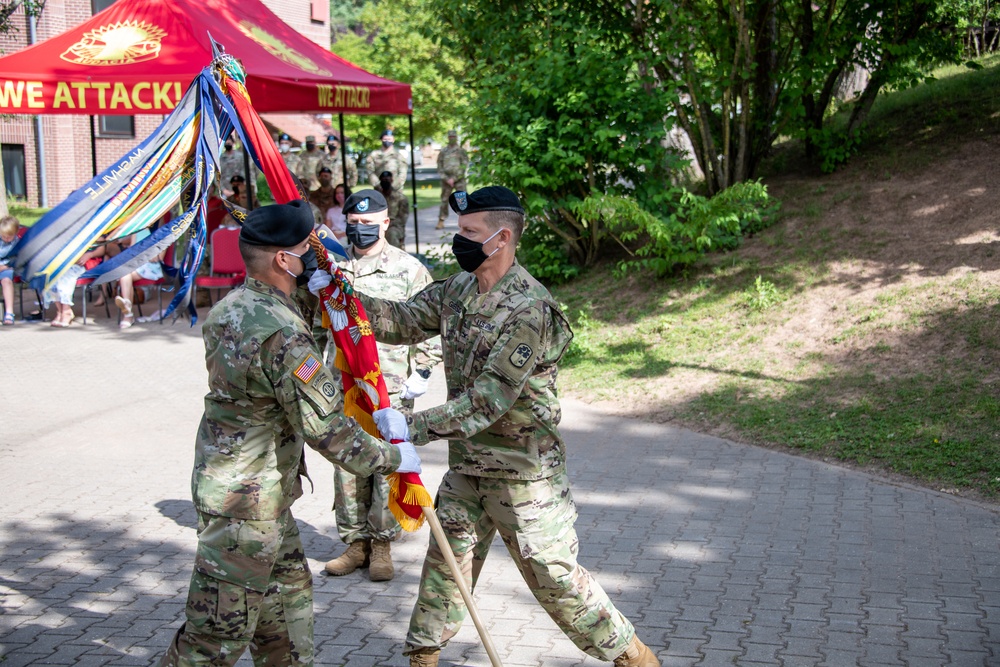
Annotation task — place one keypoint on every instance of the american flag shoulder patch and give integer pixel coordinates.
(307, 369)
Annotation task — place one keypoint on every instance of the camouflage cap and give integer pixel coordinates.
(310, 139)
(278, 225)
(492, 198)
(365, 201)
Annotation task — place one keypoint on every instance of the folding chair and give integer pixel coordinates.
(227, 269)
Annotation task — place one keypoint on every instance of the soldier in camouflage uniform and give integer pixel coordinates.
(503, 335)
(364, 521)
(309, 163)
(325, 196)
(399, 210)
(387, 158)
(452, 163)
(269, 395)
(285, 148)
(334, 161)
(231, 164)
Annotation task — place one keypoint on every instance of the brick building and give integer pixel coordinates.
(66, 140)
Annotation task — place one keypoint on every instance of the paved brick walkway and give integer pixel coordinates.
(733, 554)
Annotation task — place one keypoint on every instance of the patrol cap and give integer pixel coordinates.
(386, 133)
(492, 198)
(385, 174)
(284, 137)
(278, 225)
(365, 201)
(332, 137)
(310, 138)
(452, 133)
(325, 169)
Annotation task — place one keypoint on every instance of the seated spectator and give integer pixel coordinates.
(151, 270)
(335, 218)
(61, 292)
(8, 239)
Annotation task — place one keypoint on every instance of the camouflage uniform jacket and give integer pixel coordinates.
(308, 168)
(336, 166)
(291, 161)
(387, 159)
(399, 208)
(268, 394)
(395, 275)
(452, 162)
(500, 354)
(231, 164)
(324, 201)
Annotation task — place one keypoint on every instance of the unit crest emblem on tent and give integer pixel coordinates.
(122, 43)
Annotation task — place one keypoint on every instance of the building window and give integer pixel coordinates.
(100, 5)
(116, 127)
(14, 175)
(320, 11)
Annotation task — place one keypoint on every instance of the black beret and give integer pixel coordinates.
(284, 137)
(385, 174)
(492, 198)
(332, 137)
(365, 201)
(386, 133)
(326, 169)
(278, 225)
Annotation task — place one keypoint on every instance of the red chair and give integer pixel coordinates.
(87, 284)
(227, 269)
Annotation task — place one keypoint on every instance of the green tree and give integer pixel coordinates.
(562, 112)
(395, 40)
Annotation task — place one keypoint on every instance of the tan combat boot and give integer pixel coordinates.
(425, 657)
(637, 655)
(381, 564)
(356, 556)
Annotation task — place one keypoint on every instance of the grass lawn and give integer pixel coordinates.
(27, 216)
(862, 327)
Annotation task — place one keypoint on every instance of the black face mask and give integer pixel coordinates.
(331, 148)
(362, 236)
(310, 146)
(386, 186)
(387, 144)
(470, 253)
(309, 262)
(229, 147)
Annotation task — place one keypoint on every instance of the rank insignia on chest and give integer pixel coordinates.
(520, 356)
(307, 369)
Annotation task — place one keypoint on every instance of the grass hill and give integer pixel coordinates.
(863, 327)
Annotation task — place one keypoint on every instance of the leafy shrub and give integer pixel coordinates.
(695, 226)
(545, 256)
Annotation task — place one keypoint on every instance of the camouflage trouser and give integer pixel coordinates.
(361, 504)
(251, 587)
(446, 191)
(396, 235)
(535, 520)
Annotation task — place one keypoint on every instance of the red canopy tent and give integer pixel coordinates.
(138, 57)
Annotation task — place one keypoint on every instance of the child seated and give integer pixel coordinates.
(9, 226)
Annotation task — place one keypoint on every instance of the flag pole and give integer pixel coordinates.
(463, 588)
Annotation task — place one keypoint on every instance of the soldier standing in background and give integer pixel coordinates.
(452, 163)
(388, 158)
(324, 197)
(334, 161)
(309, 161)
(231, 163)
(290, 158)
(399, 210)
(269, 395)
(503, 335)
(364, 521)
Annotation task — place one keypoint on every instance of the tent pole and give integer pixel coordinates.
(413, 179)
(246, 174)
(343, 159)
(43, 184)
(93, 147)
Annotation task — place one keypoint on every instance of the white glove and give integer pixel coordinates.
(410, 462)
(318, 281)
(415, 385)
(391, 424)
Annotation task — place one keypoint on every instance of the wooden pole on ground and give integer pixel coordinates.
(456, 572)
